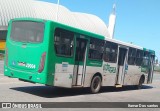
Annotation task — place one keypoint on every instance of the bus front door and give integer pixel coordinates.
(80, 62)
(122, 65)
(151, 69)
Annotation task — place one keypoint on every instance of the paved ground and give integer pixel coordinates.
(1, 67)
(13, 90)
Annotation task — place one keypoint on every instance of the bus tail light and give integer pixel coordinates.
(6, 54)
(42, 62)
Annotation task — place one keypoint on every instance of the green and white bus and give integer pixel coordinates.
(54, 54)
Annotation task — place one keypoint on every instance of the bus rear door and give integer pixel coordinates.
(80, 61)
(151, 69)
(122, 64)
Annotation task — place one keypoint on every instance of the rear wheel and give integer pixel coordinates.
(95, 84)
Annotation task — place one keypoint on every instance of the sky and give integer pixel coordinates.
(138, 21)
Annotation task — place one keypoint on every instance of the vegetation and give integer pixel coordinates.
(1, 56)
(157, 68)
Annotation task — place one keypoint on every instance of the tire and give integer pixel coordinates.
(140, 84)
(95, 84)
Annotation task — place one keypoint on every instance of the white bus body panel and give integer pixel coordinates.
(133, 75)
(90, 71)
(109, 74)
(63, 75)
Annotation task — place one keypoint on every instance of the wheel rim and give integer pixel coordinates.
(96, 83)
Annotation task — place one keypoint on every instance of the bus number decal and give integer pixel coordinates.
(32, 66)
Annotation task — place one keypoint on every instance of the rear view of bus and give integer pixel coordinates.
(25, 51)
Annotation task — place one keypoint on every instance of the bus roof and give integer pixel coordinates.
(124, 43)
(130, 45)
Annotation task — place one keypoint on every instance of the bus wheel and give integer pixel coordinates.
(141, 81)
(95, 84)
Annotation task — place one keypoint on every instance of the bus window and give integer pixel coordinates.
(96, 49)
(39, 37)
(146, 59)
(139, 57)
(3, 34)
(63, 42)
(131, 56)
(24, 31)
(110, 52)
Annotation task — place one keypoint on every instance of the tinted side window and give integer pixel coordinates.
(110, 52)
(139, 57)
(63, 42)
(96, 49)
(131, 56)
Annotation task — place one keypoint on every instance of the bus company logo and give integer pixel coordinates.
(6, 105)
(107, 67)
(22, 64)
(64, 66)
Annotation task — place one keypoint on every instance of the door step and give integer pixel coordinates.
(78, 86)
(118, 85)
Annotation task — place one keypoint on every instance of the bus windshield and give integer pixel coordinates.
(27, 31)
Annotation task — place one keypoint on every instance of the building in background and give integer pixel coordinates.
(10, 9)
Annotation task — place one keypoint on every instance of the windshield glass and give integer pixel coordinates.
(27, 31)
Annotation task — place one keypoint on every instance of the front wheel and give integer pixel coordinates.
(140, 84)
(95, 84)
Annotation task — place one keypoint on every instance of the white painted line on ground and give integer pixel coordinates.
(7, 78)
(11, 83)
(4, 78)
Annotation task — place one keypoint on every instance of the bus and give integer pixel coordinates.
(54, 54)
(3, 34)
